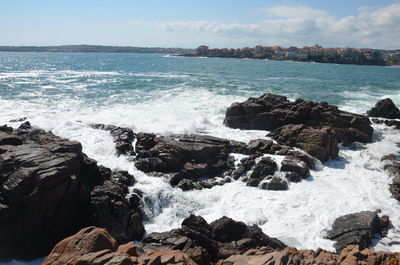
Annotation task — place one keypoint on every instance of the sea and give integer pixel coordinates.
(165, 94)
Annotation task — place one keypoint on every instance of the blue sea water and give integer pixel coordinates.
(64, 92)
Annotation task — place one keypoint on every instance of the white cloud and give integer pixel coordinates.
(301, 25)
(294, 11)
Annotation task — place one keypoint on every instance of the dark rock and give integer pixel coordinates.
(191, 156)
(355, 229)
(293, 177)
(275, 184)
(294, 164)
(392, 123)
(123, 138)
(265, 167)
(19, 119)
(260, 146)
(207, 243)
(319, 142)
(206, 185)
(226, 229)
(269, 112)
(244, 166)
(385, 108)
(253, 182)
(46, 183)
(25, 126)
(392, 165)
(114, 211)
(186, 184)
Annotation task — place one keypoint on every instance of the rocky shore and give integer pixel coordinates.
(52, 192)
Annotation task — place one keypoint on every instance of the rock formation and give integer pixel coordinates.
(385, 108)
(356, 229)
(322, 125)
(49, 190)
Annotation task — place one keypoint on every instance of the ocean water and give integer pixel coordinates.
(64, 92)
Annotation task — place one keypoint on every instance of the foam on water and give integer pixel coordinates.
(299, 216)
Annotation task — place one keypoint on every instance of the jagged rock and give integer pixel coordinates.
(244, 166)
(206, 243)
(392, 164)
(269, 112)
(253, 182)
(355, 229)
(385, 108)
(45, 192)
(191, 156)
(320, 142)
(123, 138)
(275, 184)
(393, 123)
(186, 184)
(112, 209)
(297, 168)
(351, 255)
(265, 167)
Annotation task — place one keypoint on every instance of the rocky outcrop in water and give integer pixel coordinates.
(223, 242)
(201, 161)
(49, 189)
(207, 243)
(357, 229)
(385, 108)
(392, 165)
(123, 138)
(320, 123)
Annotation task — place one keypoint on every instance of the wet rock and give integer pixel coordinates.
(392, 123)
(270, 112)
(295, 165)
(46, 192)
(355, 229)
(123, 138)
(385, 108)
(112, 209)
(207, 243)
(260, 146)
(320, 142)
(186, 184)
(191, 156)
(245, 165)
(265, 167)
(253, 182)
(275, 183)
(392, 165)
(19, 119)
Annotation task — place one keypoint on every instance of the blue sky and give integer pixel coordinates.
(217, 23)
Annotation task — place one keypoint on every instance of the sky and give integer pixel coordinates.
(190, 23)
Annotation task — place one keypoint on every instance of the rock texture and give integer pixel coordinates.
(351, 255)
(320, 121)
(201, 161)
(320, 142)
(392, 165)
(355, 229)
(385, 108)
(207, 243)
(123, 138)
(49, 187)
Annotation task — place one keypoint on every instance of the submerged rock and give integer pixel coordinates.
(355, 229)
(270, 112)
(49, 190)
(385, 108)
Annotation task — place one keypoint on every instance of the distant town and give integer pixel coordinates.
(315, 53)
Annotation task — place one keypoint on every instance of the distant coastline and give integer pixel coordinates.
(317, 53)
(95, 48)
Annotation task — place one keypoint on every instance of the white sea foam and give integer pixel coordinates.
(299, 216)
